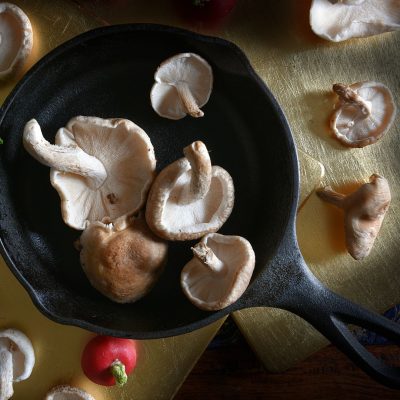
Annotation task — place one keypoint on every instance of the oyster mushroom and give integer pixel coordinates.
(65, 392)
(100, 167)
(183, 85)
(219, 272)
(17, 359)
(364, 212)
(16, 38)
(363, 114)
(122, 260)
(189, 197)
(338, 20)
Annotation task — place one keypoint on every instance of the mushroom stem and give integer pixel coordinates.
(6, 374)
(349, 96)
(330, 196)
(63, 158)
(207, 257)
(199, 159)
(188, 100)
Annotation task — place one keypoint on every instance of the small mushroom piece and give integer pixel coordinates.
(183, 85)
(219, 272)
(100, 167)
(189, 197)
(338, 20)
(66, 392)
(16, 38)
(364, 211)
(363, 114)
(122, 260)
(17, 359)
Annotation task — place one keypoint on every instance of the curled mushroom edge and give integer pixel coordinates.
(67, 392)
(16, 39)
(17, 359)
(183, 84)
(363, 113)
(101, 168)
(190, 197)
(340, 20)
(364, 211)
(219, 272)
(123, 260)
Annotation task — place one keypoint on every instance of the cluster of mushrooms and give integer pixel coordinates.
(104, 172)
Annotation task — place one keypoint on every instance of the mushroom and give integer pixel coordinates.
(189, 197)
(364, 212)
(338, 20)
(363, 114)
(219, 272)
(65, 392)
(122, 260)
(17, 359)
(183, 85)
(100, 167)
(16, 38)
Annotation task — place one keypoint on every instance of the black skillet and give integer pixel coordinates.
(108, 72)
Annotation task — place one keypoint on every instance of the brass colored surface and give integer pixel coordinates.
(299, 69)
(162, 364)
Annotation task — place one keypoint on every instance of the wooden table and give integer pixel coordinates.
(233, 372)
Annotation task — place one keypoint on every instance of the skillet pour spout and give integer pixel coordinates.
(99, 81)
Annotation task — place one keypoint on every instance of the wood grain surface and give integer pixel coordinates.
(233, 372)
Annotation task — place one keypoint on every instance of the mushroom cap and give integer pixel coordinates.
(128, 157)
(22, 353)
(341, 20)
(16, 38)
(123, 260)
(65, 392)
(172, 217)
(211, 290)
(352, 128)
(188, 68)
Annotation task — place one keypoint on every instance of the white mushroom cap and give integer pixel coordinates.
(363, 114)
(65, 392)
(219, 272)
(339, 20)
(16, 38)
(100, 167)
(17, 359)
(189, 198)
(183, 85)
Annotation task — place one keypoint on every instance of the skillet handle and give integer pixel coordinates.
(330, 313)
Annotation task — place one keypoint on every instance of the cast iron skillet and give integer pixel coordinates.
(108, 72)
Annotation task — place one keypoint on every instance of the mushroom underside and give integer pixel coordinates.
(198, 216)
(218, 289)
(338, 21)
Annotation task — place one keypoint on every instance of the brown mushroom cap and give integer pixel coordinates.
(122, 260)
(66, 392)
(16, 38)
(219, 272)
(363, 114)
(189, 198)
(100, 167)
(183, 85)
(338, 20)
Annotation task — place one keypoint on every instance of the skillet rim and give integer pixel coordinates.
(287, 238)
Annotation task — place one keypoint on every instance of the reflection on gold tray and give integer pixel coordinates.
(299, 69)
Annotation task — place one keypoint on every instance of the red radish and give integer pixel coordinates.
(108, 360)
(209, 13)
